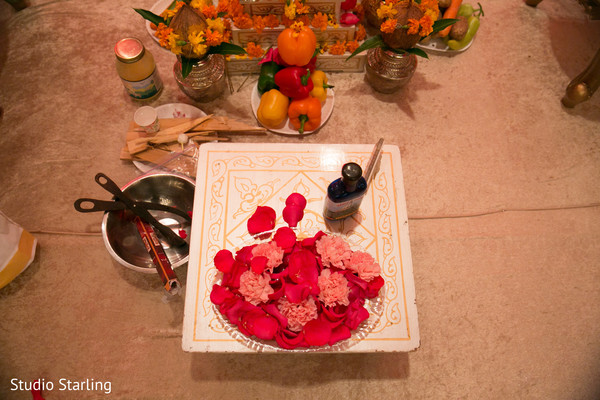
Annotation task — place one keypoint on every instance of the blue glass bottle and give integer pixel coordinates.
(345, 194)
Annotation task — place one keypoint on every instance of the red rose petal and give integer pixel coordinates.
(258, 264)
(340, 332)
(374, 286)
(288, 339)
(219, 294)
(224, 260)
(355, 315)
(317, 332)
(296, 199)
(296, 293)
(285, 238)
(272, 309)
(244, 254)
(182, 233)
(302, 267)
(262, 220)
(265, 327)
(348, 4)
(232, 278)
(292, 215)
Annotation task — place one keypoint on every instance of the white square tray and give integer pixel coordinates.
(233, 178)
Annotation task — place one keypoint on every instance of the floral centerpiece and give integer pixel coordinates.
(296, 292)
(402, 24)
(193, 29)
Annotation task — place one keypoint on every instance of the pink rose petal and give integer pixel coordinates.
(349, 19)
(317, 332)
(224, 261)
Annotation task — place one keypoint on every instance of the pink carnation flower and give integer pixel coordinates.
(333, 288)
(255, 288)
(364, 264)
(334, 251)
(298, 314)
(271, 251)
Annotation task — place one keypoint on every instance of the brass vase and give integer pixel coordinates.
(206, 81)
(388, 71)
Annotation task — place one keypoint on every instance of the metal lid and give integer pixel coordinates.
(129, 50)
(351, 172)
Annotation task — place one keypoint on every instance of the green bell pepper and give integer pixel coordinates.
(266, 80)
(471, 31)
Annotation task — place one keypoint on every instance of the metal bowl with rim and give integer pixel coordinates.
(120, 234)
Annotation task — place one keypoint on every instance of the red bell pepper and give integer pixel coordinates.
(294, 82)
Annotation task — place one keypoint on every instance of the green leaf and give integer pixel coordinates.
(442, 24)
(186, 65)
(370, 43)
(417, 52)
(150, 16)
(226, 48)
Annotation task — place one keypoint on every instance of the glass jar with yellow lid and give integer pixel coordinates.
(137, 69)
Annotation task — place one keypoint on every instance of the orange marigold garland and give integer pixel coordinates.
(254, 50)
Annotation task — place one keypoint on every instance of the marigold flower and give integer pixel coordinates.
(171, 13)
(258, 23)
(386, 11)
(209, 11)
(426, 25)
(216, 25)
(413, 26)
(243, 21)
(254, 50)
(162, 33)
(338, 48)
(199, 4)
(389, 26)
(320, 21)
(352, 46)
(173, 45)
(361, 33)
(331, 21)
(272, 21)
(301, 8)
(223, 6)
(213, 38)
(290, 11)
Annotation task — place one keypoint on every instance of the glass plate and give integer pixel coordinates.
(374, 306)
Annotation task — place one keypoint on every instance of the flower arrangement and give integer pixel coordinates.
(307, 292)
(193, 29)
(402, 24)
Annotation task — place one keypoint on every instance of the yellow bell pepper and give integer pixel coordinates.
(273, 107)
(319, 80)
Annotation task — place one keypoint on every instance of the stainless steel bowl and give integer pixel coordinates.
(120, 234)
